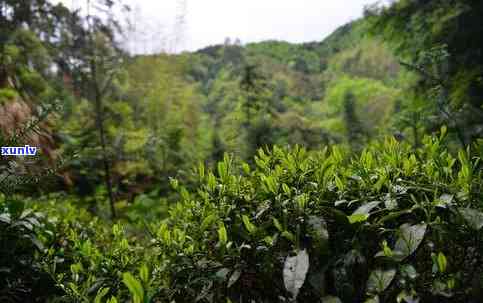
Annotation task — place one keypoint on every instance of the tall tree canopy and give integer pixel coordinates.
(442, 40)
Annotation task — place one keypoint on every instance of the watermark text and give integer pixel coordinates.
(26, 150)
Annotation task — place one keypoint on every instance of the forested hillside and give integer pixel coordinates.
(341, 170)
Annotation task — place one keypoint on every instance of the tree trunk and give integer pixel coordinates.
(102, 136)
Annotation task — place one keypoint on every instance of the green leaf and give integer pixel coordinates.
(357, 218)
(101, 294)
(174, 183)
(294, 272)
(248, 225)
(15, 207)
(144, 273)
(339, 216)
(340, 202)
(207, 221)
(94, 288)
(363, 212)
(201, 170)
(407, 297)
(246, 168)
(393, 215)
(277, 224)
(339, 183)
(443, 131)
(379, 280)
(134, 286)
(473, 217)
(25, 224)
(366, 208)
(5, 218)
(112, 300)
(269, 240)
(451, 283)
(286, 189)
(372, 300)
(409, 271)
(410, 237)
(222, 234)
(211, 182)
(234, 278)
(444, 201)
(223, 170)
(271, 184)
(380, 182)
(441, 289)
(442, 262)
(387, 250)
(289, 236)
(37, 243)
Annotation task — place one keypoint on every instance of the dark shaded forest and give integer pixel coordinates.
(343, 170)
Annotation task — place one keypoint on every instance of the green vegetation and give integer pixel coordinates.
(397, 218)
(346, 170)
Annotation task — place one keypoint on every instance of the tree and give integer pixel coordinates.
(30, 89)
(354, 128)
(252, 84)
(93, 58)
(255, 106)
(448, 57)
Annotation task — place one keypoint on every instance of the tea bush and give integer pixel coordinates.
(391, 224)
(23, 233)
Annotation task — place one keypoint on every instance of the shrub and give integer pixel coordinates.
(23, 233)
(391, 224)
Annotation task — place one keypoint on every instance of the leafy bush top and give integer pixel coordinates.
(391, 224)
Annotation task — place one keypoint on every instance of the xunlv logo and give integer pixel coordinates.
(19, 151)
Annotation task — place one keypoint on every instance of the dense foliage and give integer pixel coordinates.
(390, 222)
(346, 170)
(440, 41)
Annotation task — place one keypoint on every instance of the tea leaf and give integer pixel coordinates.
(248, 225)
(134, 286)
(101, 294)
(356, 218)
(441, 259)
(295, 271)
(222, 234)
(234, 277)
(409, 239)
(379, 280)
